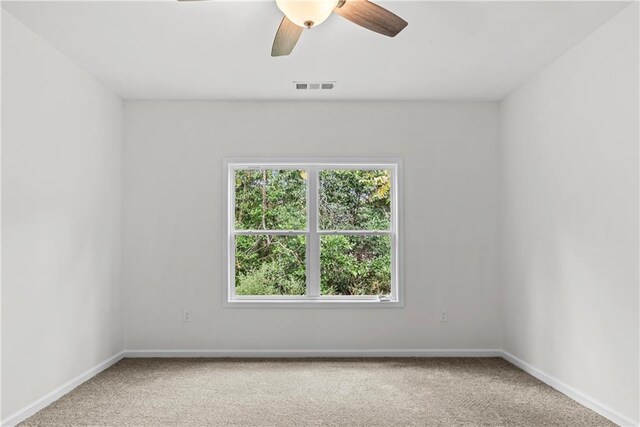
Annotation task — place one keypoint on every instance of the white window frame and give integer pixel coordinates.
(312, 233)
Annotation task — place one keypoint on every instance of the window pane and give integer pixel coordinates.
(270, 265)
(355, 200)
(355, 265)
(271, 199)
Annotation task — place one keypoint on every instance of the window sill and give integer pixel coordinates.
(311, 303)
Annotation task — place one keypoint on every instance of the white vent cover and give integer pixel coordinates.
(314, 85)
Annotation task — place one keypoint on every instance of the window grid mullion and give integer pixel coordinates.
(355, 232)
(269, 232)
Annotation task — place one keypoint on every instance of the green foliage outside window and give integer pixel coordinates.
(348, 200)
(270, 265)
(355, 265)
(271, 200)
(355, 200)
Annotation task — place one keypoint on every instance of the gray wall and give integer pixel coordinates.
(61, 219)
(173, 222)
(569, 157)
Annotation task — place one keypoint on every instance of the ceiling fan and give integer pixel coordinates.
(301, 14)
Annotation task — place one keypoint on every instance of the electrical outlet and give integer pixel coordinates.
(186, 316)
(444, 317)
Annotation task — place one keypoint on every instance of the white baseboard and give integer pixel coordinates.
(574, 394)
(316, 353)
(56, 394)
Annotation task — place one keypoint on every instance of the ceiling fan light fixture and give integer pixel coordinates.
(307, 13)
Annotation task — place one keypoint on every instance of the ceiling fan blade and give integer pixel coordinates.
(371, 16)
(286, 38)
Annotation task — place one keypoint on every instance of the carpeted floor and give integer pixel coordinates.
(315, 392)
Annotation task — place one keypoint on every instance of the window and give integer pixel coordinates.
(312, 232)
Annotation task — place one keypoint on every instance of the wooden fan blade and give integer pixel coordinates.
(286, 38)
(371, 16)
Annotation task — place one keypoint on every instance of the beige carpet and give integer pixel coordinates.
(315, 392)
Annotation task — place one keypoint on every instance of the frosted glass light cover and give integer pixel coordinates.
(301, 11)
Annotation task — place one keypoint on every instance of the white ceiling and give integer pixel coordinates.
(221, 49)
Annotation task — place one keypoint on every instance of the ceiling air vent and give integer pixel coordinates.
(314, 85)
